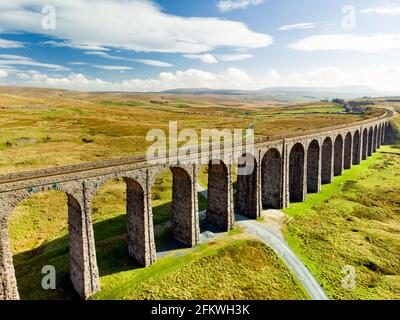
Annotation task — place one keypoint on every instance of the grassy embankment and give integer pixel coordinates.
(354, 221)
(237, 270)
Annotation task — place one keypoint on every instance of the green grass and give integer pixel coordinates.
(354, 221)
(238, 270)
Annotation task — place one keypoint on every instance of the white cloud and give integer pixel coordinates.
(349, 42)
(104, 55)
(116, 68)
(381, 78)
(78, 63)
(15, 60)
(154, 63)
(3, 73)
(65, 44)
(229, 5)
(9, 44)
(211, 59)
(206, 58)
(388, 9)
(149, 62)
(234, 57)
(298, 26)
(137, 25)
(191, 78)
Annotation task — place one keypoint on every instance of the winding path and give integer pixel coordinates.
(274, 239)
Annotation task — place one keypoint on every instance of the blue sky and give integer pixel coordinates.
(140, 45)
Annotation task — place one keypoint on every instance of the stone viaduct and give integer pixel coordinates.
(285, 171)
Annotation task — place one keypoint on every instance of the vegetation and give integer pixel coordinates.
(43, 128)
(355, 221)
(237, 270)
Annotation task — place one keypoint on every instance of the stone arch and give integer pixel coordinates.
(247, 198)
(382, 133)
(271, 179)
(184, 220)
(338, 156)
(356, 148)
(375, 139)
(348, 146)
(219, 196)
(139, 237)
(370, 141)
(129, 193)
(313, 167)
(83, 272)
(365, 144)
(379, 138)
(326, 163)
(296, 173)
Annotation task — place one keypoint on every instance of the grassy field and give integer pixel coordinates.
(42, 128)
(355, 221)
(237, 270)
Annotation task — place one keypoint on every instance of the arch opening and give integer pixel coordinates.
(313, 167)
(326, 163)
(356, 148)
(375, 139)
(219, 196)
(246, 187)
(46, 228)
(271, 180)
(338, 156)
(370, 141)
(348, 154)
(365, 144)
(296, 173)
(379, 139)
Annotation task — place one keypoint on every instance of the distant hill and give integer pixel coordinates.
(290, 94)
(273, 94)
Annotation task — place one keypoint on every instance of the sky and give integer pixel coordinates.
(149, 45)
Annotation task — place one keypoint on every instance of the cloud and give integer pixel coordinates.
(381, 78)
(15, 60)
(206, 58)
(154, 63)
(349, 42)
(116, 68)
(211, 59)
(388, 9)
(149, 62)
(65, 44)
(298, 26)
(191, 78)
(78, 63)
(229, 5)
(9, 44)
(136, 25)
(3, 73)
(234, 57)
